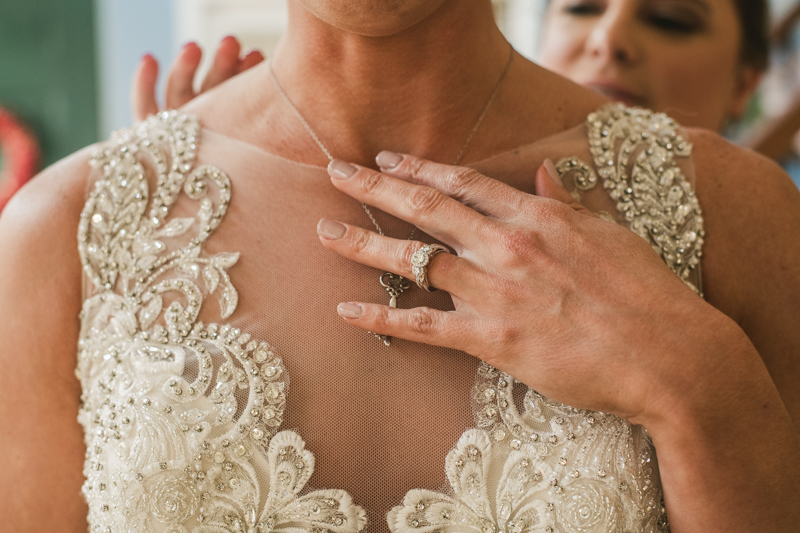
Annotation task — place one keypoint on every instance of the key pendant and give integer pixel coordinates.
(394, 285)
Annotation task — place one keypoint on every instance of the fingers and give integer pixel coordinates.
(225, 65)
(445, 271)
(450, 329)
(251, 59)
(549, 185)
(486, 195)
(430, 210)
(143, 93)
(181, 77)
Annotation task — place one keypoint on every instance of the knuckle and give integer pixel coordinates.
(371, 181)
(361, 241)
(461, 182)
(416, 167)
(460, 179)
(518, 244)
(425, 201)
(380, 318)
(421, 321)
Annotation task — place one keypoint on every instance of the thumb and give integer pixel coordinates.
(549, 185)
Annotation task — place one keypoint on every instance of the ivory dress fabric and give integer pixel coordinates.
(206, 289)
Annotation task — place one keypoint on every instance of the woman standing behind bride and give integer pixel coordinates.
(576, 308)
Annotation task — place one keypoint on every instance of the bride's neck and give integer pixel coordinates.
(419, 90)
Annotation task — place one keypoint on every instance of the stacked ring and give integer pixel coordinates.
(420, 261)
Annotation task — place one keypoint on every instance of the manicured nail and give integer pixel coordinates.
(348, 310)
(341, 169)
(388, 159)
(330, 229)
(554, 175)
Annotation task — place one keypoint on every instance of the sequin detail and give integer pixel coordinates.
(635, 153)
(587, 454)
(181, 418)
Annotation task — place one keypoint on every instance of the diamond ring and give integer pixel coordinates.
(420, 261)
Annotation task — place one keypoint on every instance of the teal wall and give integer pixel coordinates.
(47, 71)
(126, 30)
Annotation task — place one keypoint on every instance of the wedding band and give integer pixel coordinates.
(420, 261)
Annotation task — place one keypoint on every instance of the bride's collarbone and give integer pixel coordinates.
(532, 106)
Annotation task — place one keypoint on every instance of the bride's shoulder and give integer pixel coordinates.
(741, 191)
(41, 220)
(752, 253)
(229, 107)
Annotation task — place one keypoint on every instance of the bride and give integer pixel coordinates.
(214, 251)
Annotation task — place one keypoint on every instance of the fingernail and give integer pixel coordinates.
(388, 159)
(348, 310)
(330, 229)
(554, 175)
(341, 169)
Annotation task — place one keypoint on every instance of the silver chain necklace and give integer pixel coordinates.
(394, 284)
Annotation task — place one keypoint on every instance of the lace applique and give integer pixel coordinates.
(547, 469)
(181, 418)
(533, 465)
(469, 469)
(635, 150)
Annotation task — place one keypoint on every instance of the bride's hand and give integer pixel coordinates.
(580, 309)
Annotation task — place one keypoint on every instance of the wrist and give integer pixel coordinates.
(718, 370)
(728, 453)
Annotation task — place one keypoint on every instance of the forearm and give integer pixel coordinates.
(728, 452)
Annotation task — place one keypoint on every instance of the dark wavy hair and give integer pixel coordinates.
(754, 22)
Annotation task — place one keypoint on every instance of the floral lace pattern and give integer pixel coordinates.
(533, 465)
(181, 418)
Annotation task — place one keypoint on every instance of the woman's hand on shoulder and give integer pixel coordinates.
(228, 62)
(40, 299)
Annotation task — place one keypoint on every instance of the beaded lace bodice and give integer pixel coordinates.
(187, 421)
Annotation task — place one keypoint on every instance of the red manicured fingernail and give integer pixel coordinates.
(348, 310)
(388, 159)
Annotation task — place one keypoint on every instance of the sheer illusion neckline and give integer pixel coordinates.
(481, 162)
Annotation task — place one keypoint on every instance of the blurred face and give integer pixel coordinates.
(372, 17)
(676, 56)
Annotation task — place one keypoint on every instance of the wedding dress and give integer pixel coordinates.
(206, 288)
